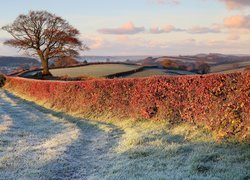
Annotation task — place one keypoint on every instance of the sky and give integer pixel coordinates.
(145, 27)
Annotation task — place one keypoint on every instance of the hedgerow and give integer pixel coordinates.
(220, 102)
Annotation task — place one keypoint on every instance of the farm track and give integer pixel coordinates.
(36, 143)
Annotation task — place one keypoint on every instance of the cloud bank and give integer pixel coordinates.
(239, 21)
(166, 29)
(127, 28)
(202, 30)
(236, 4)
(192, 30)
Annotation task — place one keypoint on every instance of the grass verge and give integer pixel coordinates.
(149, 150)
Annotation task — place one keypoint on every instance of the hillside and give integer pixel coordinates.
(9, 63)
(218, 63)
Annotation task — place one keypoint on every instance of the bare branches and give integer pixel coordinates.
(47, 33)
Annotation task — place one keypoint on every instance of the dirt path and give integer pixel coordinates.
(36, 143)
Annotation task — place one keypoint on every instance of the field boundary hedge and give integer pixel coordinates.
(220, 102)
(22, 74)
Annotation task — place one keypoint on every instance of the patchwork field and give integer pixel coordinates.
(97, 70)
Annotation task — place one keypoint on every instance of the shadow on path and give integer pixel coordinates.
(52, 145)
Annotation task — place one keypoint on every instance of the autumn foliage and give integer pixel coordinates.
(220, 102)
(44, 35)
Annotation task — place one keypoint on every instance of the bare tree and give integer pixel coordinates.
(42, 34)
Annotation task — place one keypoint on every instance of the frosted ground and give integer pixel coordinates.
(36, 143)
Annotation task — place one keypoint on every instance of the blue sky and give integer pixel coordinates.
(146, 27)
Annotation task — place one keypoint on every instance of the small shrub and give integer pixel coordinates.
(2, 80)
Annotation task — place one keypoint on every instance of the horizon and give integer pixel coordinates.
(246, 55)
(146, 27)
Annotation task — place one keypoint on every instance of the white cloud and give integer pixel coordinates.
(193, 30)
(127, 28)
(165, 1)
(202, 30)
(166, 29)
(93, 41)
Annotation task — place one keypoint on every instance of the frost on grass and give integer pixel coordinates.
(150, 150)
(36, 143)
(5, 123)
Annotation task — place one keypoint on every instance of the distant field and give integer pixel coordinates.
(158, 72)
(97, 70)
(179, 72)
(233, 70)
(147, 73)
(230, 67)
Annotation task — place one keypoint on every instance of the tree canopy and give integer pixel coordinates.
(45, 35)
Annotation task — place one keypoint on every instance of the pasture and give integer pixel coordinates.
(147, 73)
(96, 70)
(229, 67)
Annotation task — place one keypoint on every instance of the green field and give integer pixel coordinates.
(158, 72)
(230, 67)
(232, 70)
(147, 73)
(97, 70)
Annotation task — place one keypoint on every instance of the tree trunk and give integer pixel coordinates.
(45, 65)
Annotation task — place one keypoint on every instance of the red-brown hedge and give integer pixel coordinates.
(220, 102)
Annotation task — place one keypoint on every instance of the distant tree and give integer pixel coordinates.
(45, 35)
(183, 67)
(202, 67)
